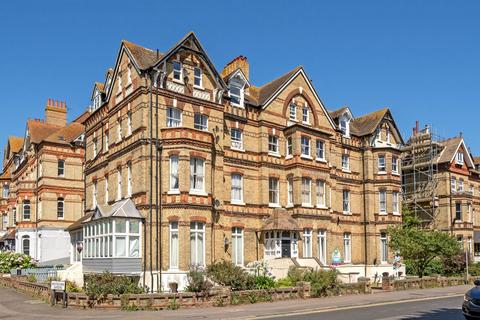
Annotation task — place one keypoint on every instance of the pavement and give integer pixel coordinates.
(438, 303)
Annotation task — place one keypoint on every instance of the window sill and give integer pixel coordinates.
(198, 87)
(321, 160)
(274, 205)
(306, 123)
(237, 149)
(347, 213)
(322, 207)
(382, 173)
(178, 81)
(198, 193)
(306, 157)
(288, 206)
(395, 174)
(237, 203)
(383, 214)
(172, 192)
(346, 170)
(396, 214)
(288, 157)
(276, 155)
(236, 105)
(307, 205)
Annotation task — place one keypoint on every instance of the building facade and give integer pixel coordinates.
(46, 187)
(186, 166)
(441, 181)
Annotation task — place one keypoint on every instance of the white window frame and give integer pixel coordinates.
(382, 164)
(94, 147)
(321, 188)
(237, 187)
(62, 211)
(460, 185)
(453, 183)
(383, 248)
(94, 194)
(174, 174)
(106, 190)
(119, 129)
(306, 192)
(236, 141)
(289, 147)
(106, 140)
(273, 192)
(322, 246)
(305, 115)
(174, 256)
(61, 168)
(382, 201)
(273, 145)
(177, 74)
(25, 204)
(234, 83)
(290, 191)
(346, 202)
(238, 241)
(119, 184)
(197, 77)
(306, 149)
(203, 124)
(129, 180)
(395, 202)
(292, 110)
(129, 123)
(174, 117)
(347, 247)
(197, 228)
(320, 152)
(395, 165)
(459, 158)
(345, 162)
(197, 177)
(307, 243)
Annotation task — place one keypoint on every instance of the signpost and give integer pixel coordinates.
(58, 287)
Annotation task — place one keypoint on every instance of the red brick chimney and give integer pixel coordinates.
(239, 62)
(56, 112)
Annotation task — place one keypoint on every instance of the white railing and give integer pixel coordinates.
(180, 88)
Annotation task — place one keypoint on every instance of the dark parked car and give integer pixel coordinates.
(471, 303)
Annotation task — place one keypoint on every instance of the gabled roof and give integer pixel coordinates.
(476, 160)
(16, 143)
(41, 131)
(451, 147)
(259, 95)
(339, 112)
(143, 57)
(84, 116)
(123, 209)
(367, 124)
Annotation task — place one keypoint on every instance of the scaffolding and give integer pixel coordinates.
(420, 175)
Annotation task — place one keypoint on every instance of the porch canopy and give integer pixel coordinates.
(280, 220)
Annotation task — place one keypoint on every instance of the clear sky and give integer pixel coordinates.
(419, 58)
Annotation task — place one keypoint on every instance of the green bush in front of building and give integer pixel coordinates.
(12, 260)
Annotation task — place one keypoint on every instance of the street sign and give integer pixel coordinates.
(57, 285)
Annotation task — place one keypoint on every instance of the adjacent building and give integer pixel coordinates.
(186, 165)
(441, 185)
(44, 185)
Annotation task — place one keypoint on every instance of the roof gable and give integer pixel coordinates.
(270, 91)
(451, 147)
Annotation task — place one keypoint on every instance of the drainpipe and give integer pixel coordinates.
(365, 220)
(151, 180)
(36, 206)
(158, 191)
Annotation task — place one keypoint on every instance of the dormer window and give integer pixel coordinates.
(305, 115)
(459, 158)
(344, 127)
(96, 100)
(236, 93)
(197, 75)
(177, 70)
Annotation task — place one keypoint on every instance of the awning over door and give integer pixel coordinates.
(280, 220)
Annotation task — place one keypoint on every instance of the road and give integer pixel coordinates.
(440, 303)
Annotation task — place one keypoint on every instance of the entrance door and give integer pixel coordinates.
(286, 248)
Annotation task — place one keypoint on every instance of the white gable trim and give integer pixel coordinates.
(469, 158)
(239, 73)
(302, 72)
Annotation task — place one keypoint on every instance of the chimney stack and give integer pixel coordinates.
(56, 112)
(239, 62)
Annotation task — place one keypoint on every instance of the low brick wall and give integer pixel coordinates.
(20, 283)
(390, 284)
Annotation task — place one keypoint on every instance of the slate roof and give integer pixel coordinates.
(41, 131)
(450, 147)
(337, 113)
(79, 223)
(280, 220)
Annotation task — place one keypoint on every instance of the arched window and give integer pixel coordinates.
(60, 208)
(26, 209)
(26, 245)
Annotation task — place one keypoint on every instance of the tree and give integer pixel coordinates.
(418, 246)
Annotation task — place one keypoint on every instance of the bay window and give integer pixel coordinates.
(174, 117)
(306, 191)
(305, 146)
(237, 139)
(237, 246)
(174, 245)
(197, 175)
(197, 244)
(174, 180)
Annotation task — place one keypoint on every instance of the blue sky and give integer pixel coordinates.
(419, 58)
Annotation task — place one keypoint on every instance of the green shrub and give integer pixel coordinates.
(32, 278)
(474, 269)
(71, 286)
(264, 282)
(284, 283)
(197, 281)
(12, 260)
(322, 282)
(98, 286)
(227, 274)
